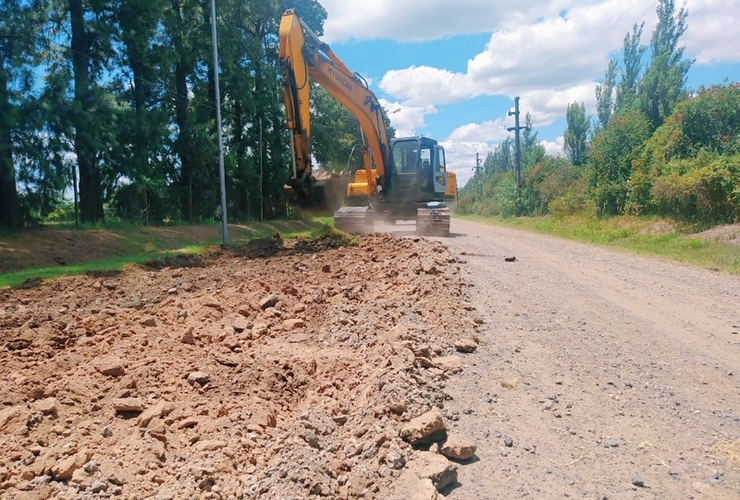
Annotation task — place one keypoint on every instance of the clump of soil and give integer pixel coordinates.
(728, 233)
(227, 377)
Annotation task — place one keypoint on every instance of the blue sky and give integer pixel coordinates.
(451, 69)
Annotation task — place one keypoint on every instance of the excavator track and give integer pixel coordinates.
(353, 220)
(433, 222)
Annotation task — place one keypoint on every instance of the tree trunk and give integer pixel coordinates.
(182, 144)
(242, 166)
(91, 189)
(9, 209)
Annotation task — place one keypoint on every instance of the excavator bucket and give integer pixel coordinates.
(322, 196)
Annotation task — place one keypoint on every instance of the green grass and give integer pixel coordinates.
(30, 277)
(651, 236)
(144, 244)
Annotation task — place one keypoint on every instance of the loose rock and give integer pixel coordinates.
(111, 366)
(457, 447)
(466, 345)
(425, 428)
(434, 467)
(198, 377)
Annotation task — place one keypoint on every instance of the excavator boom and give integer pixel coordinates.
(302, 60)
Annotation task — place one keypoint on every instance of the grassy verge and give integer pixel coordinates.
(651, 236)
(148, 244)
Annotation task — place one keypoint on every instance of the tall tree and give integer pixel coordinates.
(15, 46)
(181, 23)
(665, 78)
(632, 52)
(501, 158)
(143, 122)
(577, 133)
(605, 94)
(532, 150)
(91, 180)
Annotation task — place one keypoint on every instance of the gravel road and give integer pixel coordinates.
(600, 374)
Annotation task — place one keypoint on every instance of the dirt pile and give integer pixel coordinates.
(232, 377)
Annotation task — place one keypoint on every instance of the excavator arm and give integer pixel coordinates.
(302, 60)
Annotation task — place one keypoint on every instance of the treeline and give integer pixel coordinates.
(117, 97)
(655, 148)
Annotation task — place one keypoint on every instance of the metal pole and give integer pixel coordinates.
(262, 191)
(518, 153)
(221, 173)
(74, 189)
(518, 145)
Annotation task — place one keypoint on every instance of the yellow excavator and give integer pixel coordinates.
(401, 179)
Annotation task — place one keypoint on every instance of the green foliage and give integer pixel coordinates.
(604, 94)
(334, 132)
(662, 85)
(120, 94)
(632, 53)
(689, 166)
(493, 191)
(501, 159)
(576, 134)
(704, 188)
(710, 121)
(554, 183)
(576, 200)
(610, 159)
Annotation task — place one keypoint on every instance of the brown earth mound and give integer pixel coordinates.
(228, 377)
(728, 233)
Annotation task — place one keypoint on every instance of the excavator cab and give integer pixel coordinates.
(420, 173)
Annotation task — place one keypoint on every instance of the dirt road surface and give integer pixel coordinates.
(613, 375)
(283, 372)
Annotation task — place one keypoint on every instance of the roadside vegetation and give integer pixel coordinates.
(646, 235)
(657, 151)
(108, 250)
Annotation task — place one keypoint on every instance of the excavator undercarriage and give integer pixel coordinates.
(430, 220)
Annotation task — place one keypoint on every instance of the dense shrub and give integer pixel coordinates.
(705, 188)
(687, 168)
(610, 158)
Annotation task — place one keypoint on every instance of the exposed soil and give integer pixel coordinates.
(727, 233)
(229, 377)
(287, 371)
(56, 247)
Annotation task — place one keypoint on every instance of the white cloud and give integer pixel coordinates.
(405, 118)
(713, 32)
(428, 20)
(554, 148)
(460, 156)
(424, 85)
(486, 132)
(550, 53)
(549, 62)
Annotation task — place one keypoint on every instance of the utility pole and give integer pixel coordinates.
(221, 173)
(518, 149)
(478, 167)
(517, 144)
